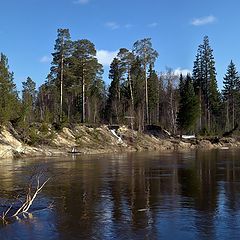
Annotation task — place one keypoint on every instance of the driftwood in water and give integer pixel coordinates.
(30, 197)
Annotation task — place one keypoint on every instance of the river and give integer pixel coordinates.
(171, 195)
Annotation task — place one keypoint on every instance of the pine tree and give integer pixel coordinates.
(144, 51)
(126, 60)
(59, 70)
(86, 70)
(188, 107)
(9, 101)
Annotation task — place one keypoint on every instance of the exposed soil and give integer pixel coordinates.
(92, 140)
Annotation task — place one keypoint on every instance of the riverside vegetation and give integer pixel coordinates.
(47, 141)
(65, 110)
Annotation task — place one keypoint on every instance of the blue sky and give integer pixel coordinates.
(28, 31)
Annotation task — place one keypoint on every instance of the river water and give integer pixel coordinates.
(173, 195)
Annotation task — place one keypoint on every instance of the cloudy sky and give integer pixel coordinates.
(28, 31)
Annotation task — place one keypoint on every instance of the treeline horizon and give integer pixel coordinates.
(137, 95)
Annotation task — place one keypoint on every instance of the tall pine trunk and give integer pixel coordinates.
(146, 96)
(131, 89)
(61, 90)
(83, 100)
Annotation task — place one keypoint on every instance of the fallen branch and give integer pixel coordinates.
(30, 198)
(27, 203)
(4, 214)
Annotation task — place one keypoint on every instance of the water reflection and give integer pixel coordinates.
(180, 195)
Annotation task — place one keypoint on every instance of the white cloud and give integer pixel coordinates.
(112, 25)
(45, 59)
(182, 71)
(105, 57)
(153, 25)
(128, 25)
(81, 2)
(203, 21)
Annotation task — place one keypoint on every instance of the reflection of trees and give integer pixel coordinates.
(131, 194)
(15, 175)
(132, 190)
(8, 173)
(123, 191)
(205, 171)
(77, 193)
(206, 197)
(210, 182)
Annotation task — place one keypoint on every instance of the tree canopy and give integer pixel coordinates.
(136, 94)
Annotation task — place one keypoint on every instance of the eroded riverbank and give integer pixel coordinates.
(94, 140)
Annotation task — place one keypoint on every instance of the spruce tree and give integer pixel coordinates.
(153, 91)
(114, 97)
(205, 84)
(188, 106)
(29, 95)
(138, 81)
(230, 95)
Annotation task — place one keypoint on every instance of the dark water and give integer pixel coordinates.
(191, 195)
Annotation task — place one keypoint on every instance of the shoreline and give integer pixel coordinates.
(101, 140)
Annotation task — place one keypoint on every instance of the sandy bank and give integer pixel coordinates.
(90, 140)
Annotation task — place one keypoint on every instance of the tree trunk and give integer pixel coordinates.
(61, 90)
(227, 117)
(200, 109)
(171, 112)
(83, 98)
(131, 89)
(209, 119)
(146, 96)
(69, 110)
(233, 113)
(88, 108)
(181, 133)
(95, 111)
(42, 107)
(116, 110)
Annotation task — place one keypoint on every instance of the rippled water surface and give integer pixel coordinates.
(189, 195)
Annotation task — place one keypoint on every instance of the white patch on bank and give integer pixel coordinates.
(188, 136)
(119, 141)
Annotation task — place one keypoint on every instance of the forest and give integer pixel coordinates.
(138, 95)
